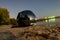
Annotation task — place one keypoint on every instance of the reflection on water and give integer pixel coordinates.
(50, 23)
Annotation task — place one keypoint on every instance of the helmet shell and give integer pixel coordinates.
(25, 17)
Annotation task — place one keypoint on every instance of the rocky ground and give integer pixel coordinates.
(30, 33)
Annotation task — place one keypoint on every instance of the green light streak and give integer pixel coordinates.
(51, 19)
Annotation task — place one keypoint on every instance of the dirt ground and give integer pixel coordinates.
(33, 32)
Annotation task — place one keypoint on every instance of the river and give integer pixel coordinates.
(50, 23)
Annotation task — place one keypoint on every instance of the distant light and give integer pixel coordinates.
(51, 19)
(46, 20)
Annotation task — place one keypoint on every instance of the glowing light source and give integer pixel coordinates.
(51, 19)
(46, 20)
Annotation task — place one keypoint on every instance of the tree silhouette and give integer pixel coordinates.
(4, 16)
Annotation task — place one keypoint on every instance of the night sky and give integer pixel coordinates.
(41, 8)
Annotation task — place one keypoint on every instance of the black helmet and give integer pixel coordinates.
(25, 18)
